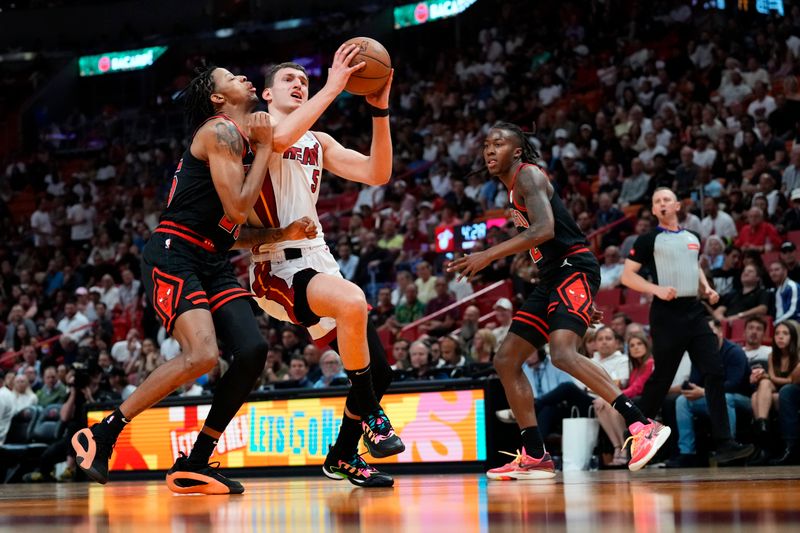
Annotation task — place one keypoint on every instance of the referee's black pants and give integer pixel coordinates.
(678, 326)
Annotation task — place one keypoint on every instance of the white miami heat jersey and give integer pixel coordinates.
(291, 190)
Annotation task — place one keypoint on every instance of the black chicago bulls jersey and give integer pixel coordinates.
(194, 204)
(568, 239)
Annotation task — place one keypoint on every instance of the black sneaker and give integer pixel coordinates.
(379, 436)
(93, 448)
(733, 451)
(355, 470)
(186, 477)
(683, 460)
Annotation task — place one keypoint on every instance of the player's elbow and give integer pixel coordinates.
(236, 216)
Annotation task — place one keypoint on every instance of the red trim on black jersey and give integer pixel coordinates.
(173, 228)
(528, 322)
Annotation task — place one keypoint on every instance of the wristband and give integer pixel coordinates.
(377, 111)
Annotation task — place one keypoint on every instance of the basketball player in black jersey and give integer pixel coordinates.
(558, 311)
(190, 282)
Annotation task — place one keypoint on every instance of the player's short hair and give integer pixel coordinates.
(269, 78)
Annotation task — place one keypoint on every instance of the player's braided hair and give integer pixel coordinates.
(529, 152)
(197, 97)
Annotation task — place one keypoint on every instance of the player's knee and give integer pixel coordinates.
(254, 354)
(563, 358)
(202, 357)
(353, 307)
(504, 362)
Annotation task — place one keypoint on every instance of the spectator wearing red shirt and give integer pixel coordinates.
(757, 234)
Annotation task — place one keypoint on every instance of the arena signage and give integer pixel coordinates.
(127, 60)
(441, 426)
(429, 11)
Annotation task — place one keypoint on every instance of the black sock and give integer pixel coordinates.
(361, 382)
(628, 410)
(115, 423)
(532, 441)
(349, 434)
(202, 449)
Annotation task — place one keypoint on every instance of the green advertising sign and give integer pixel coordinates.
(428, 11)
(111, 62)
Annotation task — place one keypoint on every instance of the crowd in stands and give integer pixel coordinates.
(616, 105)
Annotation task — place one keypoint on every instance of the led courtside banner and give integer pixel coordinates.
(111, 62)
(435, 426)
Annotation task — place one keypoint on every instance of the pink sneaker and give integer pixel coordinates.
(647, 439)
(523, 466)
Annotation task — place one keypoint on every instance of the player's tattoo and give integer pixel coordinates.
(228, 136)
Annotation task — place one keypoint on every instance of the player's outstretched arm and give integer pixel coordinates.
(298, 122)
(533, 186)
(376, 168)
(222, 144)
(250, 236)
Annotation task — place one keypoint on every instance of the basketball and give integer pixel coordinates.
(374, 74)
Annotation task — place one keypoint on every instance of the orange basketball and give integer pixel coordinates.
(374, 74)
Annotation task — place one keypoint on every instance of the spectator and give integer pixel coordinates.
(460, 288)
(390, 240)
(692, 401)
(790, 220)
(483, 347)
(23, 396)
(786, 293)
(704, 155)
(74, 325)
(374, 262)
(452, 351)
(782, 361)
(191, 389)
(791, 174)
(275, 369)
(312, 354)
(129, 291)
(757, 234)
(635, 186)
(789, 418)
(767, 190)
(348, 263)
(383, 309)
(42, 225)
(400, 355)
(788, 257)
(503, 312)
(16, 318)
(643, 225)
(611, 269)
(332, 371)
(608, 214)
(82, 216)
(470, 323)
(716, 222)
(144, 360)
(420, 359)
(641, 362)
(727, 278)
(53, 391)
(713, 256)
(292, 342)
(409, 311)
(763, 104)
(757, 354)
(748, 301)
(128, 349)
(444, 323)
(109, 293)
(298, 372)
(404, 279)
(425, 282)
(685, 173)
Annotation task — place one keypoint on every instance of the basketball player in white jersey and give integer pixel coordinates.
(298, 280)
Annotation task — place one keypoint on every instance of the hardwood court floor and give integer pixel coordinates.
(654, 500)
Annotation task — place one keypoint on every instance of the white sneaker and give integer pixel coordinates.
(506, 416)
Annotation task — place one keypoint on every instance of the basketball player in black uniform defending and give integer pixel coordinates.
(558, 311)
(190, 282)
(678, 320)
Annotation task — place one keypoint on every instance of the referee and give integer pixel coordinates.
(678, 321)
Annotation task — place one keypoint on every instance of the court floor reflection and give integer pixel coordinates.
(650, 501)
